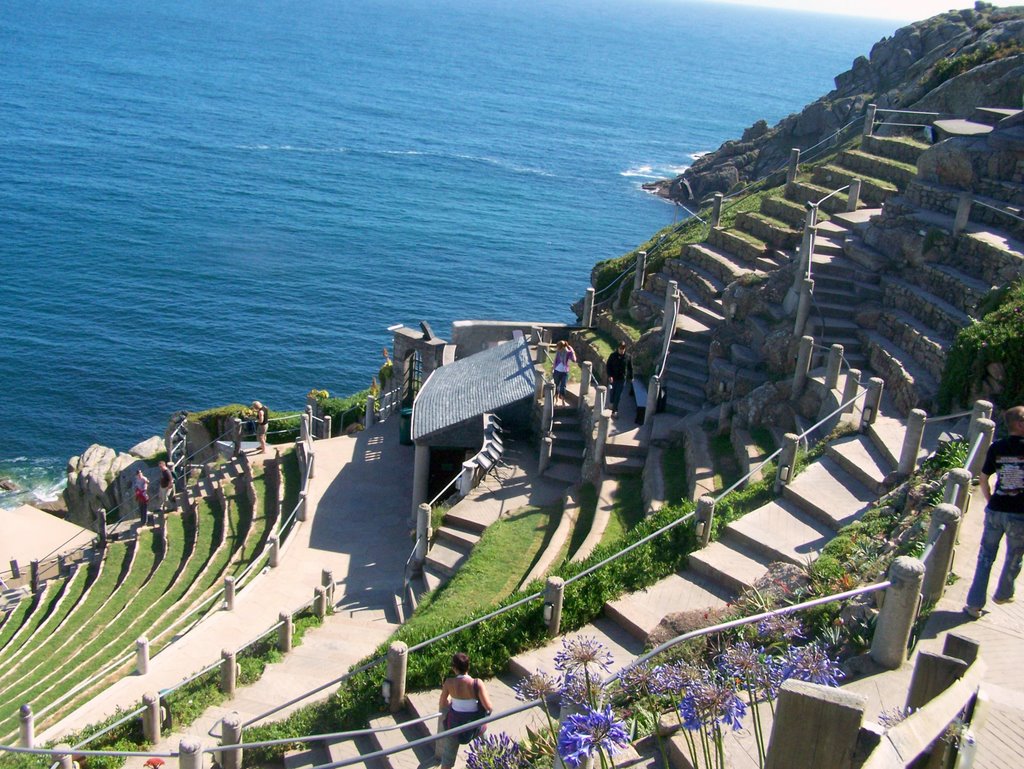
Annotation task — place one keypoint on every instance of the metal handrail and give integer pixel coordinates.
(109, 728)
(999, 209)
(53, 752)
(440, 494)
(932, 541)
(864, 590)
(972, 455)
(948, 417)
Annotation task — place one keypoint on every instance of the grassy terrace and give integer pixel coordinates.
(111, 573)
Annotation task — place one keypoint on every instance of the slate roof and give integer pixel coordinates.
(479, 384)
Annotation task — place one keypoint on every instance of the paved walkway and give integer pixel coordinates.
(358, 529)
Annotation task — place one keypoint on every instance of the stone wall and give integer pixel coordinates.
(899, 295)
(899, 382)
(928, 352)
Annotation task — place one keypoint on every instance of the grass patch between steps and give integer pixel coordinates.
(588, 506)
(727, 469)
(673, 469)
(498, 563)
(627, 509)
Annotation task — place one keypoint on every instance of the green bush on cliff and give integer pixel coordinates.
(956, 65)
(995, 341)
(284, 427)
(344, 411)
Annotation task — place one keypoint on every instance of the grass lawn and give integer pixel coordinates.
(627, 508)
(673, 468)
(504, 555)
(727, 467)
(588, 506)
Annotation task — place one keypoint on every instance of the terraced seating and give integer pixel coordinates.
(145, 586)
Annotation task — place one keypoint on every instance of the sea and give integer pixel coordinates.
(212, 201)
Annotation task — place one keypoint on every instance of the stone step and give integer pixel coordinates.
(996, 256)
(568, 437)
(446, 557)
(873, 192)
(729, 564)
(641, 612)
(746, 247)
(887, 434)
(615, 638)
(457, 537)
(858, 455)
(567, 452)
(947, 280)
(708, 287)
(343, 750)
(839, 266)
(856, 221)
(926, 345)
(902, 148)
(777, 233)
(433, 578)
(716, 261)
(909, 383)
(781, 531)
(313, 754)
(830, 494)
(631, 465)
(386, 738)
(896, 172)
(931, 309)
(792, 213)
(803, 191)
(648, 300)
(566, 472)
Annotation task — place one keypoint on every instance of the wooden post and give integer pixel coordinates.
(899, 613)
(815, 726)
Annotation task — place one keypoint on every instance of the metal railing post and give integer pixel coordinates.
(912, 442)
(640, 273)
(803, 365)
(704, 519)
(397, 670)
(190, 753)
(853, 196)
(554, 595)
(850, 389)
(794, 165)
(872, 401)
(588, 308)
(940, 561)
(899, 612)
(869, 120)
(231, 734)
(835, 365)
(787, 461)
(26, 727)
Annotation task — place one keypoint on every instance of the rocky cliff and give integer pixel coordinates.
(950, 63)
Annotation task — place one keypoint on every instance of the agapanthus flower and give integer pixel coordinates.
(582, 690)
(537, 686)
(583, 652)
(495, 752)
(641, 680)
(674, 677)
(785, 626)
(811, 663)
(710, 702)
(742, 662)
(584, 734)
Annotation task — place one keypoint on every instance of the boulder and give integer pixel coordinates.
(101, 479)
(148, 448)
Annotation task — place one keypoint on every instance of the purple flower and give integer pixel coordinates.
(490, 752)
(742, 662)
(582, 652)
(711, 702)
(582, 690)
(811, 663)
(641, 680)
(785, 626)
(536, 686)
(674, 678)
(585, 734)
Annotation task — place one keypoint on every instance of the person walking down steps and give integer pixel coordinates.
(617, 367)
(565, 356)
(1004, 515)
(262, 419)
(463, 700)
(166, 485)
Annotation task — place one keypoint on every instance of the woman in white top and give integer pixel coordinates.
(459, 697)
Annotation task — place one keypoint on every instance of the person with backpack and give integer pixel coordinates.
(463, 699)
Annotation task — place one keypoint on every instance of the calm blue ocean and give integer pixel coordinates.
(212, 201)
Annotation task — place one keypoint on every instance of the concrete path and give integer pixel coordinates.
(358, 529)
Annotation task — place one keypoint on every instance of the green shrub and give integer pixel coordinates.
(995, 339)
(344, 411)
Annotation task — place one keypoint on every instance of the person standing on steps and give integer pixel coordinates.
(616, 367)
(262, 419)
(463, 699)
(1004, 514)
(565, 356)
(166, 484)
(140, 485)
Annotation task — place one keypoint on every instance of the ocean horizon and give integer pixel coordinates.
(212, 202)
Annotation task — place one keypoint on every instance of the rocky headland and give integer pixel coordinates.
(950, 63)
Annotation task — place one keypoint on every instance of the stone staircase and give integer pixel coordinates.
(569, 446)
(453, 542)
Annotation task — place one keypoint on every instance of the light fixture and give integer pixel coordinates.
(700, 529)
(385, 690)
(866, 413)
(784, 473)
(549, 611)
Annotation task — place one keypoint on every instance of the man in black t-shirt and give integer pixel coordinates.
(1004, 514)
(616, 367)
